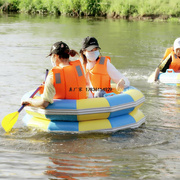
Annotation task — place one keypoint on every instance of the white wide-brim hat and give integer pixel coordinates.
(177, 44)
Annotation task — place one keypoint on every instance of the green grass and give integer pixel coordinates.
(118, 8)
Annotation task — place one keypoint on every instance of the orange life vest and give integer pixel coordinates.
(99, 76)
(175, 64)
(69, 82)
(168, 51)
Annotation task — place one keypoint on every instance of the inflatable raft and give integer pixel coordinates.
(110, 113)
(169, 77)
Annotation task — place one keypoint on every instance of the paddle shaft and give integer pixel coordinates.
(34, 93)
(47, 71)
(21, 108)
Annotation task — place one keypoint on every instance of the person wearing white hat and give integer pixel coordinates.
(177, 47)
(171, 60)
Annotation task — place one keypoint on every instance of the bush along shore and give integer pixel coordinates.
(127, 9)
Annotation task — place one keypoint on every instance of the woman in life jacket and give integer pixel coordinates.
(171, 60)
(65, 80)
(99, 70)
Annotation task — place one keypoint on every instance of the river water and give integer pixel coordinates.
(135, 47)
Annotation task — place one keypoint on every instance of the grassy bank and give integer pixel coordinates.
(109, 8)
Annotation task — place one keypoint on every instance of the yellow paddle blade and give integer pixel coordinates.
(9, 121)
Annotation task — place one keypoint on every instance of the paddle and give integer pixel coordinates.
(9, 120)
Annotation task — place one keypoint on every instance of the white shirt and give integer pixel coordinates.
(114, 74)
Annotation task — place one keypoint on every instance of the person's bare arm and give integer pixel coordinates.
(156, 74)
(36, 103)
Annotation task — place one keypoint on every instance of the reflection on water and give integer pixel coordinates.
(74, 156)
(75, 167)
(130, 153)
(168, 106)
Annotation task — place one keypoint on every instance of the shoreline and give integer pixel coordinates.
(158, 18)
(15, 7)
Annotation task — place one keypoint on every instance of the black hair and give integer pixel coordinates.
(67, 53)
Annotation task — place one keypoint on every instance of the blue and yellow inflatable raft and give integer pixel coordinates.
(169, 77)
(111, 113)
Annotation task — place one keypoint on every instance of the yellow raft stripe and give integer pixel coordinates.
(92, 103)
(137, 115)
(135, 94)
(36, 122)
(94, 125)
(36, 114)
(178, 78)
